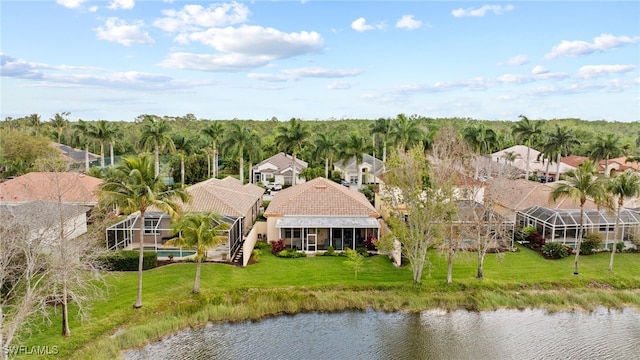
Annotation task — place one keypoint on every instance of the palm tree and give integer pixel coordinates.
(253, 151)
(326, 147)
(34, 121)
(510, 156)
(526, 130)
(155, 135)
(606, 147)
(184, 148)
(82, 131)
(406, 132)
(104, 131)
(214, 131)
(59, 122)
(292, 138)
(561, 141)
(580, 184)
(625, 185)
(200, 232)
(136, 188)
(382, 126)
(238, 139)
(481, 138)
(354, 146)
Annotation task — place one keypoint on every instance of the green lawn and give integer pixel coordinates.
(275, 285)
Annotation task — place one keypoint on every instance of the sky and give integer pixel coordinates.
(494, 60)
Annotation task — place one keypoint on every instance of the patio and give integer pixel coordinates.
(318, 233)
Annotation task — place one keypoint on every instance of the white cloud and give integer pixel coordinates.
(117, 30)
(122, 4)
(93, 9)
(259, 41)
(340, 85)
(514, 79)
(482, 11)
(538, 69)
(194, 17)
(311, 72)
(603, 42)
(71, 4)
(518, 60)
(409, 23)
(591, 71)
(360, 25)
(208, 62)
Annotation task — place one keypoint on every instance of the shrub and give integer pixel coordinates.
(591, 242)
(536, 239)
(362, 251)
(127, 260)
(555, 250)
(620, 246)
(277, 246)
(262, 245)
(291, 254)
(331, 251)
(256, 255)
(370, 243)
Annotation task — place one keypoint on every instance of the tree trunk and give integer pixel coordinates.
(138, 303)
(209, 165)
(528, 158)
(182, 170)
(102, 154)
(214, 165)
(111, 153)
(326, 167)
(86, 157)
(613, 248)
(579, 242)
(359, 174)
(557, 177)
(241, 169)
(65, 311)
(450, 267)
(480, 274)
(293, 168)
(156, 157)
(196, 284)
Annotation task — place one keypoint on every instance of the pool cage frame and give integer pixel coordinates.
(560, 225)
(124, 234)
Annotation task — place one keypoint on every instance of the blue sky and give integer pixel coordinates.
(115, 60)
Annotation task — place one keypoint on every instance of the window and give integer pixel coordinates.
(151, 226)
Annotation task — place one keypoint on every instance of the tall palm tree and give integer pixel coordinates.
(354, 146)
(481, 138)
(604, 148)
(623, 186)
(292, 138)
(253, 151)
(104, 131)
(406, 132)
(561, 141)
(526, 130)
(59, 121)
(200, 232)
(579, 185)
(238, 138)
(382, 127)
(510, 156)
(326, 146)
(155, 135)
(82, 131)
(184, 148)
(34, 121)
(215, 131)
(136, 188)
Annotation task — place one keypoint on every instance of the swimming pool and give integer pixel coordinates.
(177, 253)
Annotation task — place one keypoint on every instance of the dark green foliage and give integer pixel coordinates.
(555, 250)
(291, 253)
(368, 191)
(362, 251)
(330, 251)
(590, 243)
(620, 246)
(127, 260)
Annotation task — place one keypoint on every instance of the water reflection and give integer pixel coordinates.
(502, 334)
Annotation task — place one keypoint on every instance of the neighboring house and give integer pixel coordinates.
(75, 157)
(237, 204)
(45, 220)
(562, 225)
(367, 172)
(278, 169)
(66, 187)
(616, 165)
(537, 163)
(321, 213)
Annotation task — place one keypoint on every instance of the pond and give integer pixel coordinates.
(501, 334)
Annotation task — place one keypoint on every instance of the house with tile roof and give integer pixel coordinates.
(68, 187)
(278, 169)
(237, 204)
(613, 166)
(366, 172)
(537, 163)
(320, 213)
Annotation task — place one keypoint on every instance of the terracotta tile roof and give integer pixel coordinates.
(320, 197)
(74, 188)
(224, 197)
(282, 162)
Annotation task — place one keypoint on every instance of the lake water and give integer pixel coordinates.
(501, 334)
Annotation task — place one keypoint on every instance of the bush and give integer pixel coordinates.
(331, 251)
(527, 231)
(536, 239)
(362, 251)
(262, 245)
(620, 246)
(291, 254)
(256, 255)
(370, 243)
(555, 250)
(277, 246)
(127, 260)
(590, 243)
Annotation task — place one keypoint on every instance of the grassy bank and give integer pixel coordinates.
(278, 286)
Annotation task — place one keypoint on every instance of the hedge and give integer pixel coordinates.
(127, 260)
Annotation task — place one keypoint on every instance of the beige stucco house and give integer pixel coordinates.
(278, 169)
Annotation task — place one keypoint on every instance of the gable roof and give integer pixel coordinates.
(350, 164)
(76, 155)
(535, 163)
(73, 188)
(226, 196)
(38, 214)
(282, 162)
(320, 197)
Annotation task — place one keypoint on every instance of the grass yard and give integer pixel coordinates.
(276, 286)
